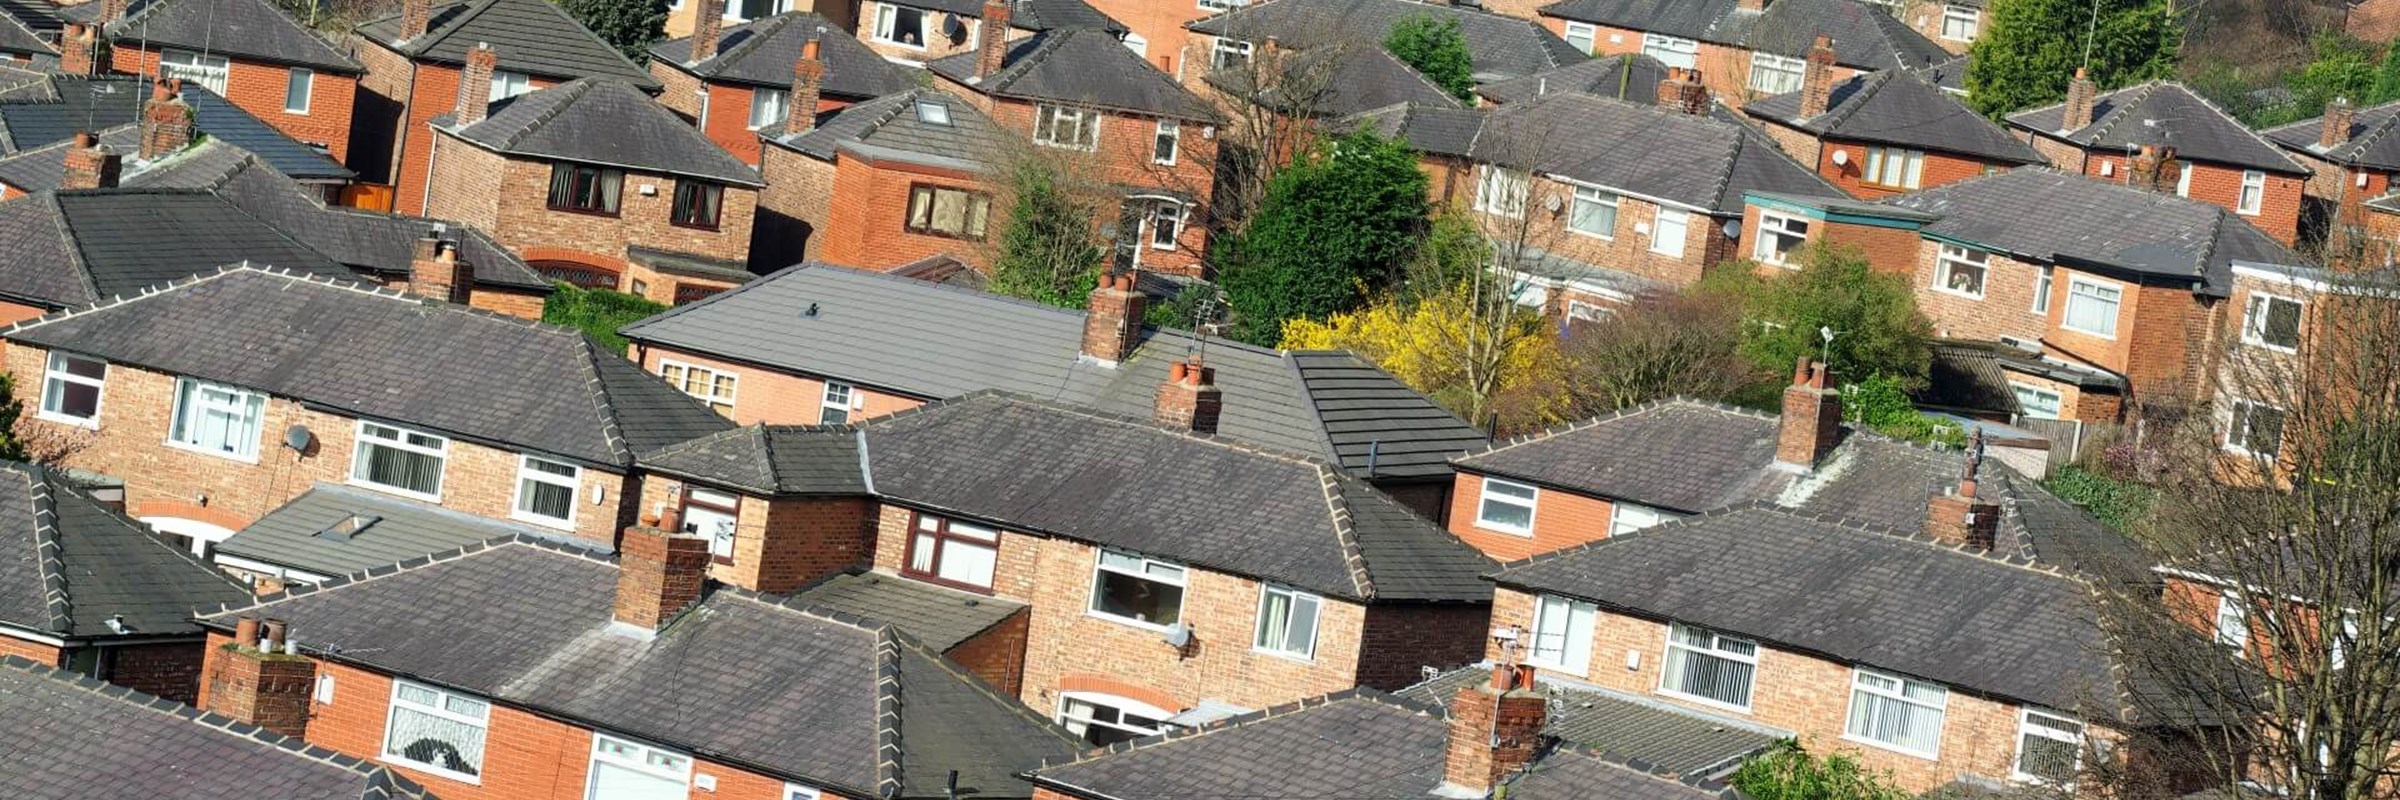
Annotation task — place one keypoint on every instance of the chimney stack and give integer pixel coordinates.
(708, 26)
(1959, 516)
(415, 17)
(1112, 320)
(258, 680)
(1816, 79)
(1495, 728)
(110, 12)
(991, 46)
(435, 270)
(2334, 128)
(89, 166)
(1682, 91)
(2153, 169)
(1812, 416)
(808, 75)
(2081, 95)
(1190, 399)
(660, 572)
(166, 120)
(79, 50)
(475, 85)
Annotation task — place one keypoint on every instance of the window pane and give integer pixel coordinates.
(442, 742)
(1151, 601)
(546, 499)
(968, 563)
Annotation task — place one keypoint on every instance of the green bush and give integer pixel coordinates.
(1329, 234)
(1883, 407)
(598, 312)
(1788, 772)
(2116, 502)
(1436, 48)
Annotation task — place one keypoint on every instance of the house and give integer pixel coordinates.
(216, 399)
(2215, 158)
(77, 733)
(882, 183)
(1631, 77)
(683, 16)
(608, 683)
(1884, 133)
(593, 183)
(879, 343)
(247, 51)
(91, 591)
(737, 89)
(49, 111)
(1501, 48)
(1745, 50)
(1952, 24)
(924, 30)
(1324, 82)
(417, 58)
(336, 529)
(2351, 160)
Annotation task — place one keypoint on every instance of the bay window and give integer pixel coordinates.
(546, 491)
(1707, 666)
(1059, 126)
(71, 389)
(1594, 213)
(1506, 506)
(1562, 634)
(2092, 307)
(1961, 271)
(1896, 712)
(399, 460)
(952, 552)
(623, 769)
(216, 419)
(1778, 236)
(1287, 621)
(713, 514)
(2049, 747)
(1138, 590)
(436, 731)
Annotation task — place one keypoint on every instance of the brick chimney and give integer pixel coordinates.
(79, 51)
(111, 11)
(660, 572)
(435, 270)
(1959, 516)
(808, 75)
(1112, 320)
(2082, 93)
(2334, 128)
(166, 120)
(415, 17)
(89, 166)
(1812, 416)
(991, 44)
(1495, 728)
(257, 680)
(2152, 169)
(1190, 399)
(1682, 91)
(1816, 79)
(1753, 5)
(708, 26)
(475, 85)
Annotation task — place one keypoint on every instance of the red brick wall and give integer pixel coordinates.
(259, 88)
(997, 655)
(1724, 69)
(1124, 158)
(1890, 250)
(728, 121)
(1628, 251)
(1160, 24)
(793, 209)
(1399, 639)
(1560, 520)
(433, 92)
(775, 398)
(867, 223)
(166, 669)
(516, 197)
(1940, 169)
(2006, 307)
(785, 544)
(2219, 185)
(46, 654)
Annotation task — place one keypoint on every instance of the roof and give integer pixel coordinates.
(369, 241)
(1032, 15)
(39, 16)
(940, 617)
(2370, 142)
(1112, 481)
(761, 53)
(68, 105)
(70, 737)
(2044, 215)
(302, 534)
(606, 122)
(255, 30)
(22, 23)
(1704, 162)
(1669, 738)
(1501, 47)
(1081, 66)
(899, 335)
(87, 245)
(68, 566)
(944, 268)
(1898, 107)
(1950, 76)
(534, 37)
(842, 703)
(892, 125)
(1869, 38)
(1631, 77)
(2162, 112)
(1345, 78)
(326, 342)
(1444, 130)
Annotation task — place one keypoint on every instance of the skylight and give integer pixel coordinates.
(932, 113)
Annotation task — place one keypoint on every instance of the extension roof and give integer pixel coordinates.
(939, 616)
(64, 105)
(2370, 143)
(534, 37)
(761, 53)
(1631, 77)
(333, 344)
(1670, 738)
(1703, 162)
(1867, 38)
(1081, 66)
(900, 335)
(1898, 107)
(890, 126)
(821, 697)
(2162, 112)
(69, 565)
(606, 122)
(253, 30)
(1352, 78)
(295, 535)
(70, 736)
(1501, 47)
(2044, 215)
(1442, 130)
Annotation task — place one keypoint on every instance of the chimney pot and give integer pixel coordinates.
(245, 631)
(808, 79)
(261, 685)
(2334, 129)
(1495, 729)
(2082, 94)
(1112, 321)
(475, 85)
(1812, 417)
(436, 271)
(1190, 399)
(991, 46)
(1816, 78)
(166, 125)
(273, 631)
(708, 29)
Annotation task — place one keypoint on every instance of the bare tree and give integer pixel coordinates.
(1660, 344)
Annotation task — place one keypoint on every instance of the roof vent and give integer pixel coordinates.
(349, 527)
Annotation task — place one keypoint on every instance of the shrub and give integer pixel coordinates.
(598, 312)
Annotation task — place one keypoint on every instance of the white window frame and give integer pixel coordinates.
(54, 372)
(1584, 32)
(506, 84)
(1953, 256)
(847, 399)
(2254, 193)
(1783, 73)
(887, 20)
(1122, 705)
(572, 482)
(2240, 414)
(323, 693)
(1166, 216)
(1861, 681)
(206, 70)
(1576, 622)
(1501, 191)
(247, 450)
(439, 709)
(1100, 565)
(305, 80)
(934, 539)
(2074, 282)
(1047, 117)
(1965, 17)
(1222, 5)
(1881, 160)
(600, 746)
(1624, 517)
(2025, 727)
(2057, 400)
(358, 461)
(2258, 309)
(1170, 132)
(1223, 47)
(1773, 228)
(1580, 311)
(2183, 180)
(2045, 281)
(1712, 651)
(775, 104)
(721, 542)
(1673, 51)
(1660, 242)
(2232, 623)
(686, 369)
(1531, 503)
(1293, 598)
(1597, 198)
(796, 791)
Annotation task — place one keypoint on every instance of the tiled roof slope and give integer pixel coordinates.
(72, 737)
(17, 33)
(1348, 79)
(333, 343)
(71, 565)
(40, 16)
(88, 245)
(1444, 130)
(534, 37)
(364, 240)
(1631, 77)
(249, 29)
(1868, 38)
(1501, 47)
(1670, 738)
(2043, 214)
(2370, 142)
(293, 535)
(1033, 15)
(938, 616)
(900, 335)
(891, 123)
(607, 122)
(1705, 162)
(1078, 65)
(2162, 112)
(819, 697)
(761, 53)
(63, 105)
(1897, 107)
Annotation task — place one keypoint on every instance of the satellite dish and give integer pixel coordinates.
(1551, 203)
(297, 437)
(1733, 229)
(953, 28)
(1179, 636)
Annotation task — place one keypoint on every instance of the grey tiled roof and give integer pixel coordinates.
(69, 104)
(73, 737)
(293, 535)
(1866, 38)
(1950, 75)
(1501, 47)
(463, 372)
(40, 16)
(1576, 773)
(2162, 112)
(606, 122)
(761, 53)
(900, 335)
(772, 459)
(2045, 215)
(1081, 66)
(1897, 107)
(1032, 15)
(890, 124)
(245, 29)
(84, 246)
(1353, 78)
(940, 617)
(1433, 129)
(1667, 737)
(70, 565)
(824, 698)
(1705, 162)
(534, 37)
(1631, 77)
(18, 34)
(2370, 144)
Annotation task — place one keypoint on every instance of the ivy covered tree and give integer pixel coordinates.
(629, 25)
(1327, 235)
(1048, 253)
(1435, 47)
(2031, 49)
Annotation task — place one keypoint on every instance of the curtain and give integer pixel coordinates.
(392, 466)
(439, 741)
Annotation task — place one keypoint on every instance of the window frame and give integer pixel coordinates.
(2243, 413)
(685, 368)
(2066, 320)
(601, 176)
(1590, 35)
(1046, 117)
(2252, 198)
(1569, 647)
(1223, 46)
(1600, 198)
(1619, 509)
(1170, 134)
(933, 194)
(731, 508)
(384, 752)
(1776, 226)
(572, 482)
(1787, 69)
(2230, 626)
(1879, 161)
(1316, 621)
(767, 97)
(1100, 565)
(886, 23)
(1121, 704)
(53, 373)
(716, 206)
(850, 401)
(943, 533)
(1948, 256)
(1492, 180)
(602, 738)
(2058, 400)
(2045, 281)
(1531, 503)
(1973, 22)
(359, 443)
(303, 79)
(507, 84)
(2258, 309)
(1666, 660)
(1685, 52)
(177, 424)
(1658, 226)
(798, 791)
(210, 71)
(1166, 215)
(2016, 766)
(1899, 695)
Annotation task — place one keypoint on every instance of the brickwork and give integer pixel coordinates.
(661, 572)
(379, 110)
(997, 655)
(434, 92)
(2005, 308)
(2220, 185)
(165, 669)
(776, 398)
(1940, 169)
(728, 121)
(1626, 249)
(510, 197)
(2073, 401)
(1123, 158)
(1161, 24)
(2061, 154)
(1724, 69)
(1888, 250)
(260, 88)
(793, 208)
(1560, 520)
(35, 651)
(679, 91)
(269, 690)
(937, 45)
(867, 219)
(1401, 639)
(679, 14)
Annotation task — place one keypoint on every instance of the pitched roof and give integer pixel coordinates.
(363, 240)
(761, 53)
(70, 736)
(1435, 129)
(2370, 142)
(1346, 79)
(893, 125)
(2045, 215)
(1501, 47)
(22, 23)
(606, 122)
(899, 335)
(1082, 66)
(1033, 15)
(256, 30)
(1631, 77)
(1704, 162)
(1669, 738)
(88, 245)
(68, 566)
(534, 37)
(824, 698)
(40, 16)
(1869, 39)
(65, 105)
(2162, 112)
(309, 533)
(1898, 107)
(464, 372)
(940, 617)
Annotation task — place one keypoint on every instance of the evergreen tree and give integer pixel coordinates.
(1877, 330)
(2031, 48)
(1048, 253)
(1436, 48)
(1326, 236)
(629, 25)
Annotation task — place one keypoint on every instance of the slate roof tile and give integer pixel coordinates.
(606, 122)
(1670, 738)
(1631, 77)
(1869, 39)
(250, 29)
(2046, 215)
(66, 105)
(893, 124)
(69, 565)
(294, 534)
(1898, 107)
(1501, 47)
(1081, 66)
(761, 53)
(534, 37)
(1346, 79)
(2162, 112)
(940, 617)
(2369, 142)
(1434, 129)
(1705, 162)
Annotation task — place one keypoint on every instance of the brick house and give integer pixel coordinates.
(1148, 604)
(43, 114)
(594, 183)
(683, 16)
(739, 89)
(1884, 133)
(924, 30)
(1952, 24)
(597, 686)
(1745, 50)
(867, 344)
(882, 184)
(308, 387)
(1502, 48)
(2351, 160)
(2217, 159)
(247, 51)
(416, 58)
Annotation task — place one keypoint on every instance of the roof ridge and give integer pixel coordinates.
(73, 245)
(890, 771)
(294, 591)
(1871, 84)
(1345, 534)
(601, 404)
(2118, 112)
(1702, 783)
(572, 92)
(1238, 721)
(1654, 404)
(1825, 518)
(247, 266)
(2374, 134)
(1316, 411)
(761, 31)
(49, 564)
(433, 36)
(2232, 122)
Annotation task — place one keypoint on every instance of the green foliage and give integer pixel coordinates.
(2343, 67)
(1048, 254)
(1184, 310)
(1788, 772)
(11, 448)
(598, 312)
(1882, 406)
(2116, 502)
(629, 25)
(1326, 236)
(1877, 329)
(1436, 48)
(2387, 79)
(2031, 48)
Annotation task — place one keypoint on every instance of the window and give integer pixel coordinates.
(794, 791)
(2183, 180)
(1896, 712)
(1580, 311)
(2049, 747)
(297, 84)
(2042, 283)
(2233, 623)
(1562, 635)
(216, 419)
(626, 770)
(1229, 53)
(839, 399)
(1581, 35)
(2035, 401)
(1774, 74)
(1594, 214)
(1058, 126)
(1708, 666)
(943, 211)
(747, 10)
(71, 389)
(1624, 517)
(1959, 23)
(1506, 506)
(1287, 621)
(1500, 190)
(1164, 144)
(2254, 190)
(400, 460)
(436, 730)
(1894, 168)
(1961, 271)
(697, 203)
(1166, 223)
(588, 189)
(2271, 321)
(714, 514)
(1104, 720)
(1221, 5)
(957, 553)
(324, 690)
(1135, 43)
(1135, 589)
(1668, 231)
(2255, 429)
(715, 388)
(546, 491)
(506, 84)
(768, 106)
(1671, 51)
(900, 25)
(933, 112)
(1778, 236)
(209, 71)
(2092, 307)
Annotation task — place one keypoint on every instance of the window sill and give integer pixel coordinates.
(429, 769)
(1861, 740)
(1558, 667)
(1292, 657)
(584, 212)
(1605, 237)
(1709, 702)
(91, 424)
(2272, 347)
(297, 113)
(552, 523)
(1075, 147)
(1524, 533)
(898, 43)
(938, 234)
(394, 490)
(1126, 621)
(694, 227)
(1958, 293)
(2250, 213)
(1167, 163)
(2094, 334)
(251, 459)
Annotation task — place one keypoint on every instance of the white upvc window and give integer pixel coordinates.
(1222, 5)
(900, 25)
(71, 389)
(768, 106)
(1774, 74)
(1583, 36)
(2035, 401)
(1708, 667)
(2049, 748)
(2254, 429)
(2272, 322)
(1500, 190)
(1668, 232)
(217, 419)
(711, 386)
(1106, 719)
(2043, 281)
(1895, 712)
(795, 791)
(1166, 224)
(1137, 590)
(1580, 311)
(1167, 143)
(1961, 271)
(623, 769)
(953, 552)
(298, 83)
(1960, 23)
(714, 514)
(1895, 167)
(1594, 213)
(1070, 128)
(546, 491)
(2183, 180)
(1287, 621)
(1624, 517)
(1671, 51)
(436, 731)
(324, 691)
(1229, 53)
(2233, 623)
(506, 84)
(2254, 193)
(840, 399)
(1779, 235)
(2092, 307)
(209, 71)
(399, 460)
(1562, 634)
(1506, 506)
